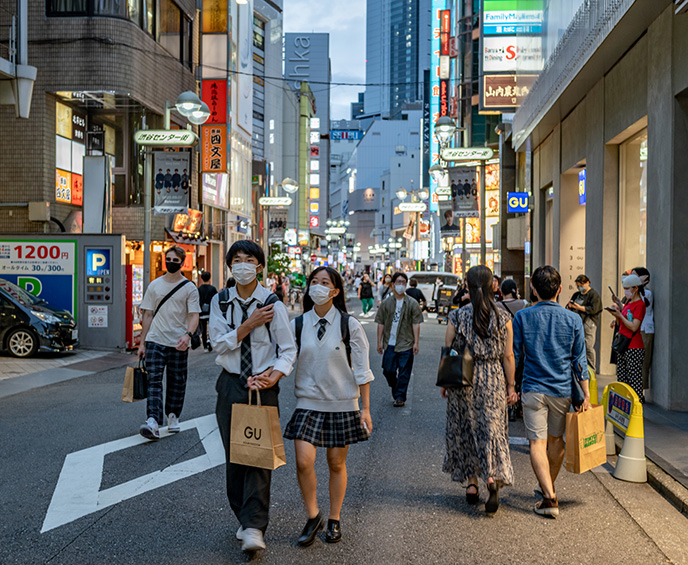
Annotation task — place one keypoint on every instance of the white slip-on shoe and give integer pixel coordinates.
(173, 423)
(150, 429)
(253, 540)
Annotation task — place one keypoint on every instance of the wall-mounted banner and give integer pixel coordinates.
(582, 187)
(517, 202)
(215, 189)
(214, 149)
(275, 201)
(464, 190)
(505, 91)
(165, 138)
(278, 224)
(345, 134)
(215, 96)
(467, 153)
(172, 181)
(512, 54)
(510, 17)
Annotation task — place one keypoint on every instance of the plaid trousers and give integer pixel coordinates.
(157, 358)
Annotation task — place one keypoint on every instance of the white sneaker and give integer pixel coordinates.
(173, 424)
(150, 430)
(240, 533)
(253, 540)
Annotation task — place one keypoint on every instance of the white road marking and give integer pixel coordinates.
(519, 441)
(78, 493)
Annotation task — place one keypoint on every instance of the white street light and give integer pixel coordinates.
(444, 129)
(199, 116)
(188, 102)
(423, 194)
(401, 193)
(436, 172)
(290, 185)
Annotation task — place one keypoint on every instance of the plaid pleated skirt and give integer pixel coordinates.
(326, 429)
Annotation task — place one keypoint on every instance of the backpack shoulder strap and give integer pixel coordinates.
(298, 327)
(224, 302)
(346, 335)
(271, 299)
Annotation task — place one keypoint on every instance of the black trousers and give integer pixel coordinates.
(204, 332)
(248, 488)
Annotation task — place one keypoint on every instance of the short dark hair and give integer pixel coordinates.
(582, 279)
(413, 283)
(397, 275)
(178, 251)
(546, 281)
(205, 276)
(251, 248)
(448, 214)
(509, 287)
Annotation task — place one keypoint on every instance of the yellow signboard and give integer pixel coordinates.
(63, 186)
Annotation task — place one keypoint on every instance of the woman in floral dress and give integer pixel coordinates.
(477, 433)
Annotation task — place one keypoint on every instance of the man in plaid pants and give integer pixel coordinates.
(170, 315)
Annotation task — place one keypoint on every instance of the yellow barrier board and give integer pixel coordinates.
(592, 384)
(624, 409)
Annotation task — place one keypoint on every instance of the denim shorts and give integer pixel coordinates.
(544, 415)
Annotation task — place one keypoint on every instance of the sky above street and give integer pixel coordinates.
(344, 20)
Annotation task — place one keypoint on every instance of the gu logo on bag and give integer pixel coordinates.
(253, 433)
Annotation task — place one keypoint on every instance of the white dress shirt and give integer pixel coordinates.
(225, 343)
(323, 381)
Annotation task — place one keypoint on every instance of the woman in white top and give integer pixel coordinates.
(328, 384)
(647, 329)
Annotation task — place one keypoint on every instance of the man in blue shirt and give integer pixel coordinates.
(551, 342)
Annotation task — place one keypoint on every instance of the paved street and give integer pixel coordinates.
(119, 499)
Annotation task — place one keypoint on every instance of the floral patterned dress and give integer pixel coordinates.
(477, 432)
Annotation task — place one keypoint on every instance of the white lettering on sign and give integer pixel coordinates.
(78, 493)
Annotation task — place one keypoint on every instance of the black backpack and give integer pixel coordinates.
(344, 327)
(224, 302)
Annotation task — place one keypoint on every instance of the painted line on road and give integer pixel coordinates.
(518, 441)
(78, 493)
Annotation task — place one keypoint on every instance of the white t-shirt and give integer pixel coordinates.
(172, 320)
(395, 322)
(648, 325)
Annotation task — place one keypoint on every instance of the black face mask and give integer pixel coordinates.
(172, 267)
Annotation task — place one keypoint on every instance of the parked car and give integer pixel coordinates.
(28, 323)
(426, 282)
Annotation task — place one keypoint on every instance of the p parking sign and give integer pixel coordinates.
(98, 262)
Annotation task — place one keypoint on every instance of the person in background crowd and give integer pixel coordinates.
(251, 356)
(165, 338)
(510, 301)
(588, 304)
(286, 283)
(436, 293)
(647, 329)
(279, 288)
(328, 384)
(461, 297)
(205, 292)
(385, 288)
(629, 364)
(270, 282)
(365, 293)
(398, 336)
(415, 292)
(357, 281)
(551, 342)
(477, 435)
(496, 283)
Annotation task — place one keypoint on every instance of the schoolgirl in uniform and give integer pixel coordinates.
(332, 374)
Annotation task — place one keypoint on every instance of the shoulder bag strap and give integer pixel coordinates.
(346, 335)
(169, 295)
(298, 326)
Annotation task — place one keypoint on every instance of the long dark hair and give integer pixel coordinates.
(480, 288)
(338, 301)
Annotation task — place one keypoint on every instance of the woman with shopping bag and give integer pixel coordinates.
(332, 374)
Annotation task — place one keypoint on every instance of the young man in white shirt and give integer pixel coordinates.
(398, 335)
(252, 355)
(165, 338)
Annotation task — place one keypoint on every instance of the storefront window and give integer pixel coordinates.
(633, 203)
(170, 27)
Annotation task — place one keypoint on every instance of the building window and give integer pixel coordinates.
(633, 203)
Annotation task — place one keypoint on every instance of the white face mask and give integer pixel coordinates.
(244, 273)
(319, 293)
(628, 293)
(400, 288)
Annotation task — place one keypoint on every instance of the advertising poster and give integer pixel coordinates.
(172, 181)
(215, 96)
(277, 224)
(215, 189)
(44, 268)
(464, 192)
(450, 225)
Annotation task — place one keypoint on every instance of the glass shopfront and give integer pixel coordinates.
(633, 203)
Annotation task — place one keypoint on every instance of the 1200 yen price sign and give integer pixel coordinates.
(37, 257)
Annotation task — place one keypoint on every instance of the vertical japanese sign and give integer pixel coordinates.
(70, 148)
(214, 94)
(214, 149)
(45, 269)
(438, 8)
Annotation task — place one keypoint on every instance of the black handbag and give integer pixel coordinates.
(195, 342)
(456, 371)
(577, 394)
(621, 343)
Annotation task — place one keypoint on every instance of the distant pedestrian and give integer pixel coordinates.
(647, 329)
(436, 292)
(206, 292)
(385, 289)
(461, 296)
(477, 433)
(249, 329)
(414, 292)
(496, 284)
(332, 374)
(398, 334)
(629, 364)
(365, 293)
(510, 300)
(587, 303)
(170, 316)
(551, 341)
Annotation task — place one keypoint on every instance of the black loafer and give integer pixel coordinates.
(310, 530)
(334, 531)
(492, 504)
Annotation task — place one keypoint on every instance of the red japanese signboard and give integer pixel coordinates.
(445, 29)
(214, 94)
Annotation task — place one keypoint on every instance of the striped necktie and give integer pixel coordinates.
(321, 329)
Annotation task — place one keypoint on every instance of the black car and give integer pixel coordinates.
(28, 323)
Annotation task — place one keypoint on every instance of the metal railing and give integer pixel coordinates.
(593, 21)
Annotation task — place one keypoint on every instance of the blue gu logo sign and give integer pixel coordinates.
(517, 202)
